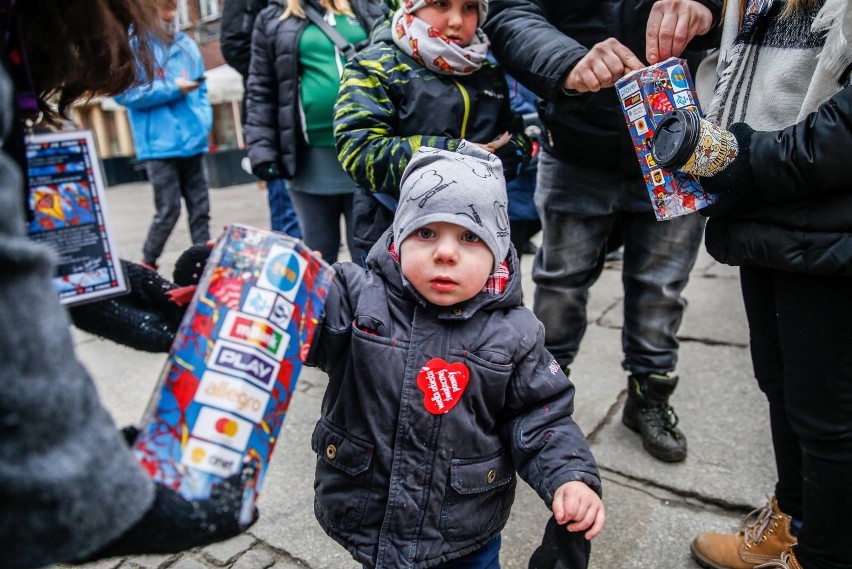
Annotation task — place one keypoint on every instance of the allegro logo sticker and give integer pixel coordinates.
(244, 362)
(211, 458)
(244, 328)
(232, 394)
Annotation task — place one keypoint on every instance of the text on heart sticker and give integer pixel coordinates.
(442, 384)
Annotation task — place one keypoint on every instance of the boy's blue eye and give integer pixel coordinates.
(470, 237)
(424, 233)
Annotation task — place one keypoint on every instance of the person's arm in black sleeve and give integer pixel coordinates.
(530, 48)
(235, 32)
(261, 128)
(803, 159)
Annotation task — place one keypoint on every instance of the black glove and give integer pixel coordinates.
(190, 265)
(266, 171)
(146, 318)
(174, 524)
(735, 188)
(514, 159)
(561, 549)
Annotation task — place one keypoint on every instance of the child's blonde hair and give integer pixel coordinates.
(295, 8)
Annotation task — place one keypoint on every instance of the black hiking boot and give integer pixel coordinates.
(648, 412)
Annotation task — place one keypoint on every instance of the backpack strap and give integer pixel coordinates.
(346, 48)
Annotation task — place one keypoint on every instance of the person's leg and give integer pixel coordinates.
(815, 331)
(195, 193)
(486, 557)
(767, 532)
(658, 257)
(759, 298)
(282, 214)
(320, 219)
(165, 179)
(567, 263)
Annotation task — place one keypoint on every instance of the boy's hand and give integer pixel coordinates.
(575, 502)
(498, 142)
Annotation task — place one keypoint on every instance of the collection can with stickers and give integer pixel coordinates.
(232, 369)
(646, 95)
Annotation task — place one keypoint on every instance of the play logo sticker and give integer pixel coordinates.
(242, 361)
(223, 428)
(211, 458)
(232, 394)
(283, 271)
(259, 333)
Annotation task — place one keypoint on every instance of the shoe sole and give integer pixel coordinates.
(664, 456)
(703, 561)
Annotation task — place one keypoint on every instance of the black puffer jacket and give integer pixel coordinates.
(273, 126)
(235, 32)
(804, 221)
(540, 41)
(399, 486)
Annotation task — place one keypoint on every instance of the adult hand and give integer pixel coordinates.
(606, 63)
(671, 25)
(186, 86)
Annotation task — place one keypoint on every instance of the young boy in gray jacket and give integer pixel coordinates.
(440, 389)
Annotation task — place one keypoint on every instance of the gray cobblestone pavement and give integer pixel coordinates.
(653, 509)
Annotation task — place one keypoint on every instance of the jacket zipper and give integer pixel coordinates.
(466, 100)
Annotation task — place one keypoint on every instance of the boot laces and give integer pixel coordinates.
(784, 563)
(756, 523)
(661, 416)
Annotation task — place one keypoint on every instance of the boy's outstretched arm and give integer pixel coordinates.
(578, 506)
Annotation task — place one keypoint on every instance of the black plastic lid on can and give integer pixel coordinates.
(676, 138)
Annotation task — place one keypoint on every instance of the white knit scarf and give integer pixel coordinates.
(739, 71)
(432, 49)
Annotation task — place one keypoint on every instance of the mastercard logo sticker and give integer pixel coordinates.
(222, 428)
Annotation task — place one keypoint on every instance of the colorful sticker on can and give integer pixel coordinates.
(663, 88)
(226, 386)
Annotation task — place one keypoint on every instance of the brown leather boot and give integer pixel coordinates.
(788, 561)
(764, 536)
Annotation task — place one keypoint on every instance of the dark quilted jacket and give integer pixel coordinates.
(804, 224)
(399, 486)
(273, 127)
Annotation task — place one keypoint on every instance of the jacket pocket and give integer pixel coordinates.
(479, 497)
(343, 475)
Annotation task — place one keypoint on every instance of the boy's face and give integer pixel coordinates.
(446, 263)
(456, 19)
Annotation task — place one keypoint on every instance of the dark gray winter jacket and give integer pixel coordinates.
(400, 486)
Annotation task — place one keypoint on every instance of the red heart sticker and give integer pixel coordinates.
(443, 384)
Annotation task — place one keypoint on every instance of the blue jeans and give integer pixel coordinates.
(658, 256)
(486, 557)
(173, 179)
(282, 214)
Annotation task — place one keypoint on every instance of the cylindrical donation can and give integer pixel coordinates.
(226, 386)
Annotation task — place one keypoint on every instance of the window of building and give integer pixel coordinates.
(183, 14)
(209, 9)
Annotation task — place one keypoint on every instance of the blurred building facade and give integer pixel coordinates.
(200, 19)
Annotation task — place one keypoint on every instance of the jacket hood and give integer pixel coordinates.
(381, 261)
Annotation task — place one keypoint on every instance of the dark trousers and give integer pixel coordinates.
(319, 217)
(173, 179)
(801, 347)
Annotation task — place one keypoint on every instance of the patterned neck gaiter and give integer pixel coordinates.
(434, 50)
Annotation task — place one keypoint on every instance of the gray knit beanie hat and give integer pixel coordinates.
(465, 187)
